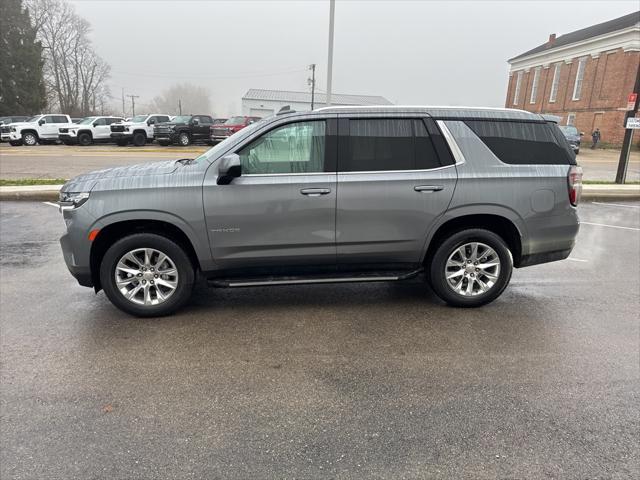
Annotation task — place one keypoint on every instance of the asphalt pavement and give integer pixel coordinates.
(62, 161)
(326, 381)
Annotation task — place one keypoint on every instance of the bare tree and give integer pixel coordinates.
(74, 74)
(193, 99)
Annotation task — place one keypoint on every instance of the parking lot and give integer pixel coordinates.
(334, 381)
(61, 161)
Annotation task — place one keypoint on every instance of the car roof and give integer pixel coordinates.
(436, 111)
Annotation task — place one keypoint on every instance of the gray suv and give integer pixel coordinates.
(458, 196)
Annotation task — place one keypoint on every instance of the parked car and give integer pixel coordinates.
(38, 129)
(89, 130)
(184, 130)
(138, 130)
(7, 121)
(231, 126)
(573, 136)
(343, 194)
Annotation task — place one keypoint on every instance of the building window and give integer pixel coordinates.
(571, 119)
(534, 85)
(555, 83)
(577, 86)
(516, 93)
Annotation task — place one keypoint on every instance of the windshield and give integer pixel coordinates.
(34, 119)
(235, 121)
(86, 120)
(181, 119)
(568, 129)
(138, 119)
(239, 135)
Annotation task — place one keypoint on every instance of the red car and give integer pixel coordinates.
(231, 126)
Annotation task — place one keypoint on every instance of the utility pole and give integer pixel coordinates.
(124, 113)
(312, 81)
(623, 163)
(332, 10)
(180, 105)
(133, 104)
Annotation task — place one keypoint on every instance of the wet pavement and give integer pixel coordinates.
(330, 381)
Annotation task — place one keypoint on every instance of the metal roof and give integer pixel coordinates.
(320, 98)
(619, 23)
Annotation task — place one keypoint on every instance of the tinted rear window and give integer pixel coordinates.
(389, 144)
(523, 143)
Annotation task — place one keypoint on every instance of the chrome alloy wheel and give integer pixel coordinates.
(146, 276)
(30, 139)
(184, 139)
(472, 269)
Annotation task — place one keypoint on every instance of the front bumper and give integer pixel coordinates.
(66, 138)
(11, 136)
(81, 273)
(166, 136)
(121, 135)
(219, 138)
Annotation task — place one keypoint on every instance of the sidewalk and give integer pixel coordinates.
(589, 192)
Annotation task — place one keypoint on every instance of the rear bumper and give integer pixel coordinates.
(545, 257)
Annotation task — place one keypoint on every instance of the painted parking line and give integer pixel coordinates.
(578, 260)
(51, 204)
(610, 226)
(615, 205)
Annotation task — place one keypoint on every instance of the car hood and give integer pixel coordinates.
(19, 124)
(87, 181)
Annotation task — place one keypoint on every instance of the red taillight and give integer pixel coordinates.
(575, 184)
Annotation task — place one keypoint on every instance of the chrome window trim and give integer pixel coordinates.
(396, 171)
(453, 145)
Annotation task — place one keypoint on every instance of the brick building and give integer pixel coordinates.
(584, 77)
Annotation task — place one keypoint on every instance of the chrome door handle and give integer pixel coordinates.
(315, 192)
(428, 188)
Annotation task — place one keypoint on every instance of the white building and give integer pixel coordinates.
(262, 103)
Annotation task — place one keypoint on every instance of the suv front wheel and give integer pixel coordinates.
(29, 139)
(471, 268)
(147, 275)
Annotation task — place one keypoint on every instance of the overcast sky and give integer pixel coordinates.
(411, 52)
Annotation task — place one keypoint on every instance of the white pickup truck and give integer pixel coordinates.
(138, 130)
(42, 128)
(88, 130)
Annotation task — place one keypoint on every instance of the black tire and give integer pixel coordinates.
(139, 139)
(122, 143)
(438, 270)
(186, 274)
(29, 139)
(184, 140)
(163, 143)
(85, 139)
(15, 143)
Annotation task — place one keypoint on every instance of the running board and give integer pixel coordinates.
(265, 281)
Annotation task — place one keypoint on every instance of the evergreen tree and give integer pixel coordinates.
(22, 89)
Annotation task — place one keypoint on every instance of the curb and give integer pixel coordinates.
(49, 193)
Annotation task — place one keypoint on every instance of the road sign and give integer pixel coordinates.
(631, 101)
(633, 122)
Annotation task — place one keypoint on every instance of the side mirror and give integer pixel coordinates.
(41, 122)
(196, 121)
(229, 169)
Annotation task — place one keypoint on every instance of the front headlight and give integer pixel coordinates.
(73, 199)
(12, 129)
(73, 131)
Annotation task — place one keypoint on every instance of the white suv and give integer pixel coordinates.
(38, 129)
(138, 130)
(88, 130)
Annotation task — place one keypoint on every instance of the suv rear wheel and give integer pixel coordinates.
(471, 268)
(139, 139)
(147, 275)
(184, 139)
(29, 139)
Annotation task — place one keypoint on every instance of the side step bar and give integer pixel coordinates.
(265, 281)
